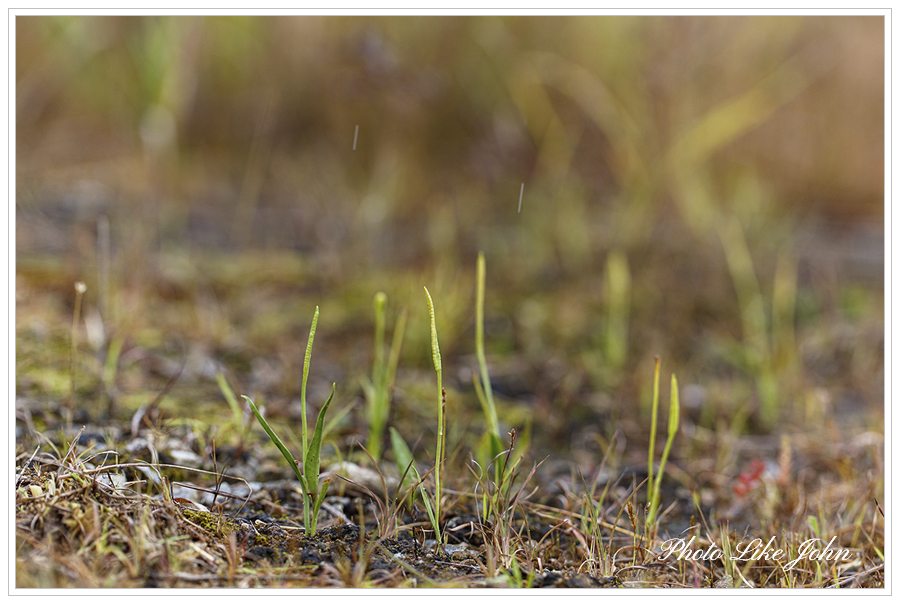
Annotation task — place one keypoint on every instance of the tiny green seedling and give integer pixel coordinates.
(654, 412)
(309, 477)
(378, 390)
(483, 388)
(503, 465)
(674, 413)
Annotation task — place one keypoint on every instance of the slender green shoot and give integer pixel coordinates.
(674, 413)
(654, 411)
(309, 477)
(311, 450)
(378, 390)
(483, 390)
(277, 442)
(306, 358)
(378, 361)
(311, 462)
(442, 401)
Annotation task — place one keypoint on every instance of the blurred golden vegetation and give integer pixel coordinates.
(694, 187)
(616, 116)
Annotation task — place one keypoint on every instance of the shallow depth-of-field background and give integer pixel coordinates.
(706, 190)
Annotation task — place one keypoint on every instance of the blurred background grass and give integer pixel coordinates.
(705, 189)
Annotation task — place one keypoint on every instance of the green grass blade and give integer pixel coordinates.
(432, 517)
(674, 422)
(311, 464)
(306, 359)
(376, 396)
(378, 390)
(278, 443)
(403, 456)
(495, 445)
(319, 499)
(490, 409)
(654, 411)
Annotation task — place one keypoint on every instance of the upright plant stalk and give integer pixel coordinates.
(311, 462)
(309, 483)
(378, 391)
(311, 453)
(306, 358)
(279, 444)
(654, 411)
(439, 454)
(674, 419)
(488, 396)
